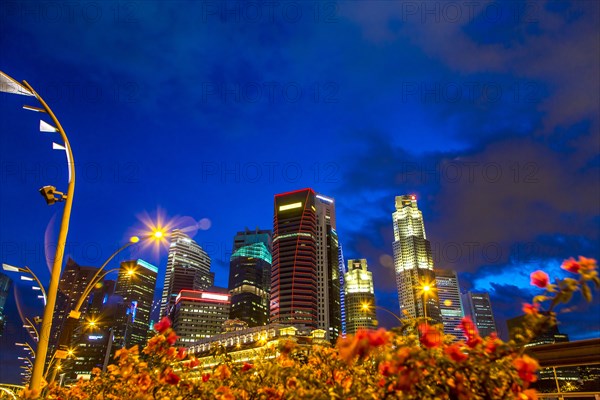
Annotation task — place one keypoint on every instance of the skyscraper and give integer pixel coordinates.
(413, 261)
(73, 282)
(250, 277)
(188, 267)
(479, 308)
(4, 286)
(359, 293)
(305, 281)
(135, 284)
(451, 308)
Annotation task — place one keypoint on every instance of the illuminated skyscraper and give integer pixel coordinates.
(305, 281)
(451, 308)
(250, 277)
(188, 268)
(479, 308)
(135, 284)
(4, 286)
(413, 261)
(359, 293)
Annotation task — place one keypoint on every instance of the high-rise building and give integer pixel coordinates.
(250, 277)
(73, 282)
(359, 297)
(4, 286)
(200, 314)
(135, 284)
(448, 291)
(305, 281)
(188, 268)
(413, 261)
(479, 308)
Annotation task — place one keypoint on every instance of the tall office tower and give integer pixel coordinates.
(479, 308)
(328, 269)
(4, 286)
(305, 282)
(188, 267)
(200, 314)
(73, 282)
(359, 292)
(451, 308)
(135, 284)
(343, 313)
(250, 277)
(413, 261)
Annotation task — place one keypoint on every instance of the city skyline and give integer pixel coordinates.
(490, 118)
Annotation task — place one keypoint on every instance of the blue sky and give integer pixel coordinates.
(488, 111)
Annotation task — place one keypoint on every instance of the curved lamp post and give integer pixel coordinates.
(367, 307)
(10, 85)
(28, 271)
(75, 313)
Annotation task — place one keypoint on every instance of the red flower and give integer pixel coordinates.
(470, 330)
(430, 337)
(539, 279)
(172, 338)
(205, 377)
(163, 325)
(571, 265)
(172, 378)
(455, 353)
(247, 366)
(378, 338)
(526, 367)
(492, 343)
(531, 309)
(181, 353)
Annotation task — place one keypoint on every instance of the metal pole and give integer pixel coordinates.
(42, 346)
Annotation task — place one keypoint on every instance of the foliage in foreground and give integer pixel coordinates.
(415, 362)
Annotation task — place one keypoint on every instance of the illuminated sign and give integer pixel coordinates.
(95, 337)
(325, 199)
(290, 206)
(214, 296)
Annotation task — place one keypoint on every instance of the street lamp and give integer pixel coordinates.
(10, 85)
(28, 271)
(424, 289)
(367, 306)
(75, 313)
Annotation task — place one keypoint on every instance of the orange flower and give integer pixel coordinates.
(529, 394)
(531, 309)
(456, 353)
(144, 382)
(163, 325)
(224, 393)
(222, 372)
(181, 353)
(526, 367)
(172, 338)
(571, 265)
(430, 337)
(539, 278)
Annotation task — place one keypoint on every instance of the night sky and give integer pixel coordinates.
(200, 112)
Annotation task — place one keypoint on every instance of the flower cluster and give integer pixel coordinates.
(416, 362)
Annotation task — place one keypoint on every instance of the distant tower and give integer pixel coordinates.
(305, 281)
(200, 314)
(188, 267)
(135, 284)
(451, 308)
(413, 261)
(479, 308)
(359, 294)
(250, 277)
(4, 286)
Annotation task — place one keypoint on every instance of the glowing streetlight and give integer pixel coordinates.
(10, 85)
(367, 307)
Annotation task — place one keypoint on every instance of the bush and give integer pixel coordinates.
(416, 361)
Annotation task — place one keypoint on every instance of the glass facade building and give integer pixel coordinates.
(359, 297)
(451, 308)
(413, 261)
